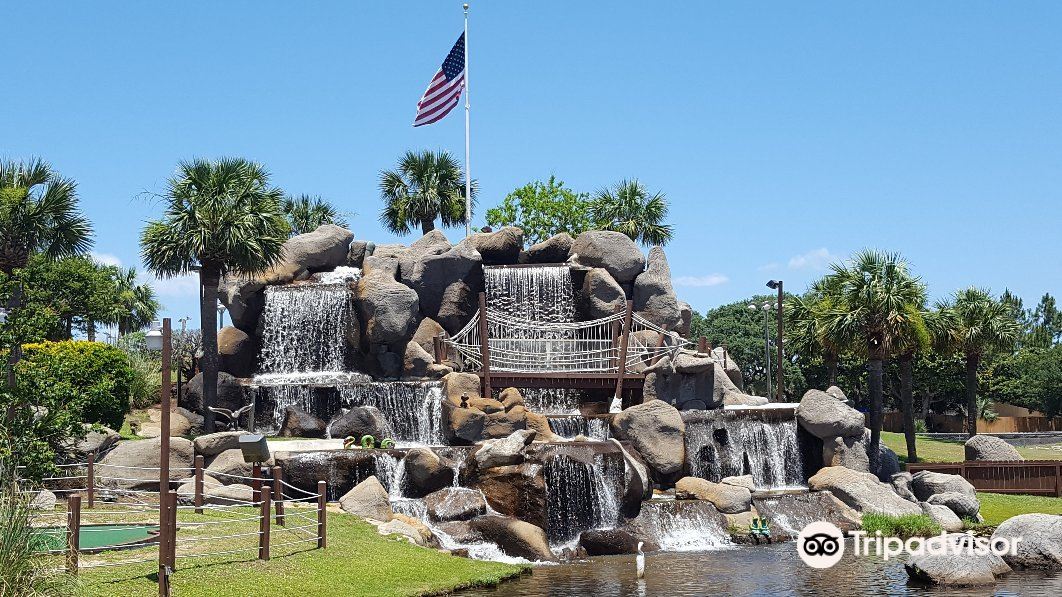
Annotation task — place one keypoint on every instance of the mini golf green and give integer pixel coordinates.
(98, 537)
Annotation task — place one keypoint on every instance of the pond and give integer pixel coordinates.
(751, 570)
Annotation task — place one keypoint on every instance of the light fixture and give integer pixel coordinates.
(153, 337)
(773, 284)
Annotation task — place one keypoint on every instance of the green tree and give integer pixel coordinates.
(1045, 326)
(306, 213)
(1032, 378)
(977, 324)
(136, 305)
(877, 302)
(78, 290)
(423, 187)
(629, 208)
(220, 217)
(542, 209)
(806, 333)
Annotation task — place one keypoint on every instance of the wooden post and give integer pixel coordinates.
(659, 345)
(702, 345)
(199, 462)
(1058, 480)
(278, 494)
(73, 532)
(437, 346)
(322, 520)
(484, 345)
(621, 366)
(90, 479)
(256, 482)
(263, 527)
(164, 456)
(171, 556)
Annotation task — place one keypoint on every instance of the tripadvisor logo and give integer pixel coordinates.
(821, 545)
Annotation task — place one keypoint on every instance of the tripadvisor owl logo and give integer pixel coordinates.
(820, 544)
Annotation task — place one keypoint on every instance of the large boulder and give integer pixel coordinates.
(299, 423)
(358, 422)
(730, 366)
(901, 484)
(824, 416)
(961, 504)
(134, 464)
(462, 426)
(501, 247)
(989, 447)
(656, 431)
(1040, 544)
(927, 483)
(861, 491)
(213, 444)
(231, 393)
(608, 542)
(367, 499)
(237, 350)
(426, 472)
(455, 503)
(554, 249)
(943, 516)
(387, 308)
(358, 250)
(229, 465)
(504, 451)
(503, 423)
(432, 243)
(685, 319)
(727, 498)
(639, 485)
(236, 494)
(404, 527)
(614, 251)
(322, 250)
(457, 385)
(447, 285)
(654, 297)
(94, 442)
(517, 490)
(243, 299)
(601, 295)
(958, 566)
(425, 335)
(845, 451)
(419, 363)
(515, 537)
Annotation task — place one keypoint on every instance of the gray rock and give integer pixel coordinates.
(231, 394)
(359, 421)
(990, 448)
(888, 461)
(685, 319)
(387, 250)
(824, 416)
(901, 484)
(505, 451)
(656, 431)
(601, 295)
(224, 495)
(691, 362)
(322, 250)
(95, 442)
(614, 251)
(368, 499)
(861, 491)
(357, 252)
(654, 297)
(515, 537)
(732, 369)
(425, 335)
(501, 247)
(243, 299)
(956, 569)
(463, 426)
(608, 542)
(727, 498)
(447, 285)
(404, 529)
(229, 467)
(43, 500)
(432, 243)
(299, 423)
(745, 481)
(943, 516)
(418, 363)
(1040, 544)
(426, 472)
(237, 350)
(129, 459)
(962, 505)
(639, 485)
(455, 503)
(213, 444)
(741, 399)
(388, 309)
(838, 393)
(927, 483)
(554, 249)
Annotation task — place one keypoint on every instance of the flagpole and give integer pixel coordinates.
(468, 168)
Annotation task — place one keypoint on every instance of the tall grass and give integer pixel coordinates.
(904, 527)
(23, 572)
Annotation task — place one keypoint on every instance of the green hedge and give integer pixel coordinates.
(97, 376)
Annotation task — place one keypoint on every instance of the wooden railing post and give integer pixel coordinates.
(263, 526)
(440, 351)
(171, 556)
(322, 520)
(484, 345)
(621, 366)
(73, 532)
(659, 345)
(199, 462)
(278, 494)
(702, 345)
(90, 479)
(1058, 480)
(256, 482)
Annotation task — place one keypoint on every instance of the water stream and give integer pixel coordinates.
(412, 409)
(732, 443)
(304, 330)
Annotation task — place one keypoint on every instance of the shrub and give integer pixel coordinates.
(904, 527)
(98, 378)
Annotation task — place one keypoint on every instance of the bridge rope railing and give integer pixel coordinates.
(525, 346)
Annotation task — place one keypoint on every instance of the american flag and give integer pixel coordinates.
(444, 91)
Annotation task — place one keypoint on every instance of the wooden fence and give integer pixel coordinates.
(893, 421)
(1031, 477)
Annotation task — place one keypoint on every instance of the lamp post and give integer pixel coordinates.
(159, 339)
(777, 285)
(766, 306)
(221, 315)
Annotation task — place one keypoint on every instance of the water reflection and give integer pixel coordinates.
(766, 570)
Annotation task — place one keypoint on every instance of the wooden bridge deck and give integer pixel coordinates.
(579, 380)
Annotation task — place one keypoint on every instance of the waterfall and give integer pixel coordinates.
(678, 527)
(723, 444)
(580, 496)
(281, 396)
(532, 293)
(570, 426)
(304, 331)
(412, 409)
(552, 401)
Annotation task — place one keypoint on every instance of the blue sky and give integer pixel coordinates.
(785, 135)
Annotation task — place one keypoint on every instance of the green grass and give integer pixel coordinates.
(910, 525)
(997, 507)
(935, 450)
(357, 561)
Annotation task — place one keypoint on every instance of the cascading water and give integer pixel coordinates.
(412, 409)
(580, 496)
(532, 293)
(304, 333)
(682, 526)
(280, 397)
(571, 426)
(552, 401)
(731, 443)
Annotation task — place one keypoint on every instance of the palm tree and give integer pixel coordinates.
(38, 214)
(808, 334)
(221, 217)
(425, 186)
(306, 213)
(914, 338)
(628, 207)
(877, 298)
(137, 306)
(978, 324)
